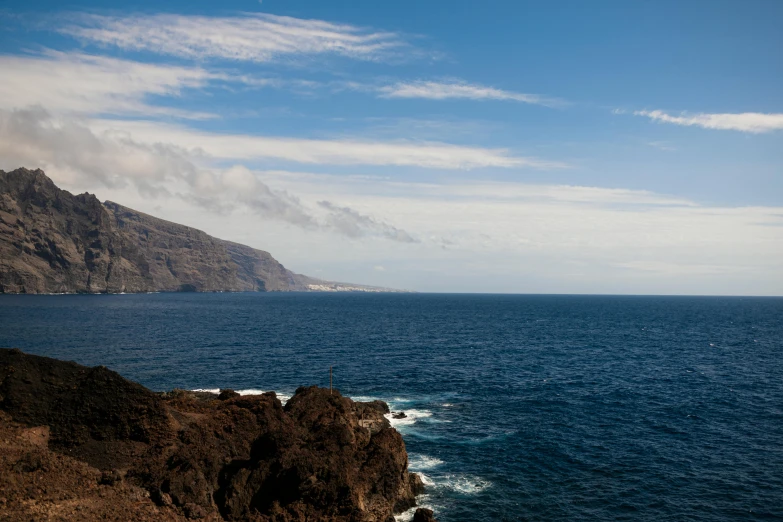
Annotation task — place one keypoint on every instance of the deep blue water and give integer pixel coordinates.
(524, 407)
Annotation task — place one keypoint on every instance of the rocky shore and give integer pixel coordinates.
(84, 443)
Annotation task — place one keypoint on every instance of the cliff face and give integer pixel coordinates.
(77, 431)
(54, 242)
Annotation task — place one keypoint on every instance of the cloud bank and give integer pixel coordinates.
(72, 152)
(87, 84)
(326, 152)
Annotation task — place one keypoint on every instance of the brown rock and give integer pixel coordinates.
(424, 515)
(54, 242)
(321, 457)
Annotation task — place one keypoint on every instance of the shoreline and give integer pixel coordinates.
(184, 455)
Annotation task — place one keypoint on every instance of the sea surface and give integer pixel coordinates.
(518, 407)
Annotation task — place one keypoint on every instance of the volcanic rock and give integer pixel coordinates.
(54, 242)
(84, 443)
(424, 515)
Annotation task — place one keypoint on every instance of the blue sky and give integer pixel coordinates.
(598, 147)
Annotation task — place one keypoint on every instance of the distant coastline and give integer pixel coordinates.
(52, 242)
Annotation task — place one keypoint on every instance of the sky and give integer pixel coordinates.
(605, 147)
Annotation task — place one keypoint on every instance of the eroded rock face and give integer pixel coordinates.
(54, 242)
(321, 457)
(424, 515)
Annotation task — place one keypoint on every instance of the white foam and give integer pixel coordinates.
(426, 480)
(250, 391)
(411, 416)
(407, 516)
(364, 398)
(418, 462)
(465, 484)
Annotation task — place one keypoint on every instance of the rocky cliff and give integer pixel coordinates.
(54, 242)
(84, 443)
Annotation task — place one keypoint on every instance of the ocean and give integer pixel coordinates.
(517, 407)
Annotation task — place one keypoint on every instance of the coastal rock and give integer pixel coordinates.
(424, 515)
(193, 456)
(224, 395)
(52, 241)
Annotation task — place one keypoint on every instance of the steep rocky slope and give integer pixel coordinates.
(183, 258)
(54, 242)
(84, 443)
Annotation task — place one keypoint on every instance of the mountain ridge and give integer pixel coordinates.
(52, 241)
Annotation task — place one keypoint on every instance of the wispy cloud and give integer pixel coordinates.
(353, 224)
(752, 122)
(323, 151)
(75, 154)
(662, 145)
(249, 37)
(87, 84)
(458, 89)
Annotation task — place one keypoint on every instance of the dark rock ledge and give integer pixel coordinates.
(80, 443)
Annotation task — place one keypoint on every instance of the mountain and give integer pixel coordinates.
(52, 241)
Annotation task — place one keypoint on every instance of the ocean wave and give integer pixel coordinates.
(407, 516)
(465, 484)
(364, 398)
(459, 483)
(417, 462)
(411, 416)
(249, 391)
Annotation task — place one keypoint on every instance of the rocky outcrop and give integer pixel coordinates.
(54, 242)
(424, 515)
(183, 455)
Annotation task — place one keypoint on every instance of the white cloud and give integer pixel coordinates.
(752, 122)
(332, 152)
(470, 236)
(74, 155)
(353, 224)
(457, 89)
(87, 84)
(250, 37)
(522, 237)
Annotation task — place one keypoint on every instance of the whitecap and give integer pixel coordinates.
(418, 462)
(364, 398)
(411, 416)
(465, 484)
(426, 480)
(250, 391)
(407, 516)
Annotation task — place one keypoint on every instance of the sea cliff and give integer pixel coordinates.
(52, 241)
(84, 443)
